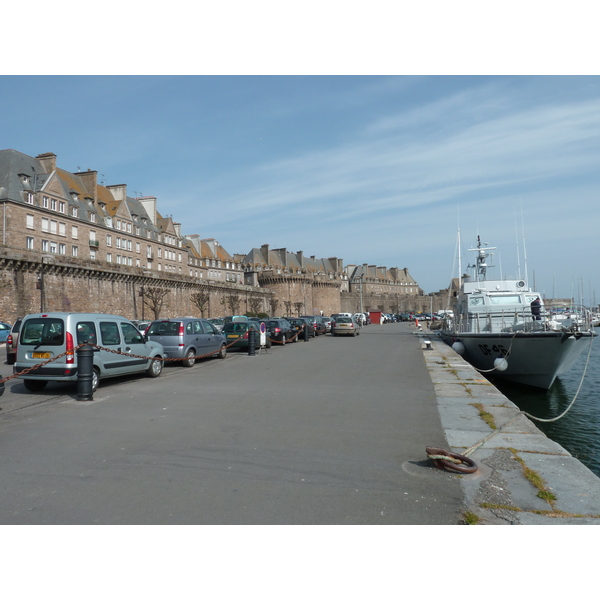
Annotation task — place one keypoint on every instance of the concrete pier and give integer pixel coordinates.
(523, 477)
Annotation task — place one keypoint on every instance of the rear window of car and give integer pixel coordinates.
(164, 328)
(343, 320)
(236, 326)
(43, 332)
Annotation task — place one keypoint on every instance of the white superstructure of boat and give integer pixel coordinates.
(496, 329)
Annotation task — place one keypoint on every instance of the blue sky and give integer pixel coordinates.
(377, 169)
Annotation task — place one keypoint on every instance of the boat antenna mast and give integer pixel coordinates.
(480, 267)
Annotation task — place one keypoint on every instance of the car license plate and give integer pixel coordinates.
(233, 336)
(40, 355)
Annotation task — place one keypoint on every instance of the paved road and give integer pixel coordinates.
(331, 431)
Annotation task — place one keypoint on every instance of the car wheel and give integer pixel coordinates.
(222, 352)
(189, 359)
(156, 367)
(95, 379)
(33, 385)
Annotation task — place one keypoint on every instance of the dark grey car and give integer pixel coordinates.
(186, 338)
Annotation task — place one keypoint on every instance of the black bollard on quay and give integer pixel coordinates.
(85, 372)
(305, 332)
(252, 342)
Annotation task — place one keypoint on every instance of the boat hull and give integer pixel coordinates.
(533, 358)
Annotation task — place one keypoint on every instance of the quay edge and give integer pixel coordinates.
(566, 492)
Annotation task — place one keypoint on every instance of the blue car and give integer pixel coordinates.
(4, 331)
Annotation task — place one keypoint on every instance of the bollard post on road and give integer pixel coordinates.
(252, 342)
(85, 372)
(305, 332)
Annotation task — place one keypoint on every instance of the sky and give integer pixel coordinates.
(373, 168)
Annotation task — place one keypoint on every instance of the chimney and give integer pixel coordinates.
(149, 204)
(265, 252)
(119, 192)
(89, 179)
(177, 227)
(300, 256)
(48, 161)
(195, 239)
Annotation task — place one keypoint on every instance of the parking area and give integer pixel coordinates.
(328, 431)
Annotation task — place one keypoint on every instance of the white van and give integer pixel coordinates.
(46, 335)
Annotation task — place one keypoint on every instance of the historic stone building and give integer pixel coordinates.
(300, 285)
(70, 243)
(380, 289)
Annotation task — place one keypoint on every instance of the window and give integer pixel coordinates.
(62, 229)
(30, 243)
(53, 204)
(30, 222)
(74, 251)
(74, 232)
(29, 198)
(128, 227)
(109, 240)
(45, 224)
(45, 202)
(73, 211)
(92, 217)
(137, 247)
(44, 245)
(92, 236)
(92, 254)
(61, 207)
(53, 226)
(62, 248)
(53, 247)
(108, 257)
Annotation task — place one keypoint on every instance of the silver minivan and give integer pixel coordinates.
(44, 336)
(186, 338)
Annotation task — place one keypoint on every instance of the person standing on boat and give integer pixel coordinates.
(535, 309)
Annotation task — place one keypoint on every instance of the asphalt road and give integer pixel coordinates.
(330, 431)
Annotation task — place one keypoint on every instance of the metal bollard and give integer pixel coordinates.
(305, 332)
(85, 372)
(252, 342)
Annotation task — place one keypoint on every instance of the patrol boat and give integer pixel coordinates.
(505, 330)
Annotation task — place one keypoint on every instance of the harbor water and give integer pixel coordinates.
(579, 430)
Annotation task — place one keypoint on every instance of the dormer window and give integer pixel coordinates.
(24, 178)
(74, 196)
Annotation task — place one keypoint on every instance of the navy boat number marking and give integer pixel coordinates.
(496, 349)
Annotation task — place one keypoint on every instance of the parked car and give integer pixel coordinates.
(187, 338)
(346, 326)
(4, 331)
(280, 330)
(142, 325)
(316, 323)
(11, 342)
(299, 324)
(327, 321)
(239, 330)
(44, 336)
(235, 318)
(218, 323)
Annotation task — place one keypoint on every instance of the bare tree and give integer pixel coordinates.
(154, 298)
(288, 307)
(231, 301)
(200, 299)
(255, 304)
(274, 302)
(298, 306)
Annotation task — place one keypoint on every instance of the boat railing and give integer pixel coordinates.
(551, 318)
